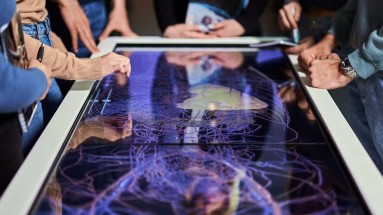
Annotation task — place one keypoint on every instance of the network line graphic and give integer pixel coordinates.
(224, 142)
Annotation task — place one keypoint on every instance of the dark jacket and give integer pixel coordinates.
(171, 12)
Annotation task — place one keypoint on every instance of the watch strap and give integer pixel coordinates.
(348, 69)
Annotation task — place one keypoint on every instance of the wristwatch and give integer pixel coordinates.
(348, 69)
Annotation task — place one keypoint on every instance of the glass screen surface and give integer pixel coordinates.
(200, 132)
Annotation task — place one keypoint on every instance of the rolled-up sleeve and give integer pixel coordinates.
(368, 59)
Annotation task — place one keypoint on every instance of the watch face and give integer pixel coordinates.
(343, 65)
(348, 69)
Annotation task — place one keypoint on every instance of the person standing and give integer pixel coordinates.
(19, 89)
(83, 23)
(64, 65)
(311, 18)
(359, 24)
(171, 15)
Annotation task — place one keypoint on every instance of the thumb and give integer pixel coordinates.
(105, 33)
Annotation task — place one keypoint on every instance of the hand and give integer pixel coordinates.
(230, 60)
(117, 127)
(291, 94)
(185, 31)
(118, 21)
(78, 25)
(113, 62)
(227, 28)
(327, 74)
(320, 51)
(184, 58)
(287, 19)
(111, 128)
(47, 72)
(304, 44)
(288, 90)
(288, 93)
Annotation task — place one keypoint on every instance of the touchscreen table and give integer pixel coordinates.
(205, 131)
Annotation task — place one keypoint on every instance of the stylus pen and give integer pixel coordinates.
(295, 32)
(40, 53)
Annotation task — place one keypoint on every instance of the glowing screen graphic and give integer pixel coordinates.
(200, 132)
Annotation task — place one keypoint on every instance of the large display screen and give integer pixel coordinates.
(201, 131)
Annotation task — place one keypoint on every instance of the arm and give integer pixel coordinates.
(165, 13)
(118, 21)
(249, 18)
(289, 15)
(171, 15)
(343, 21)
(78, 24)
(65, 65)
(19, 88)
(244, 24)
(367, 60)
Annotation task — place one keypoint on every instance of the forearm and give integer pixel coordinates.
(64, 3)
(65, 65)
(118, 4)
(367, 60)
(249, 18)
(119, 8)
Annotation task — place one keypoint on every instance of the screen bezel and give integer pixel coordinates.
(32, 175)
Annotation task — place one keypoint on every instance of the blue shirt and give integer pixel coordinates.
(360, 24)
(19, 88)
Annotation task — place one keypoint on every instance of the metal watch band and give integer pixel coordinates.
(348, 69)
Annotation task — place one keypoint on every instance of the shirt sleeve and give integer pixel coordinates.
(19, 88)
(367, 60)
(165, 13)
(342, 22)
(65, 65)
(249, 18)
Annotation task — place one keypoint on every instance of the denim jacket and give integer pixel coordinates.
(360, 23)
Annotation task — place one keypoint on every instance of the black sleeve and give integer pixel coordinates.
(249, 18)
(170, 12)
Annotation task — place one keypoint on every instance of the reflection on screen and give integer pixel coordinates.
(205, 132)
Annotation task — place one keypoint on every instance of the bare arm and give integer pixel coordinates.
(77, 23)
(118, 21)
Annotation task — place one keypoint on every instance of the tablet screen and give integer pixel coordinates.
(201, 131)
